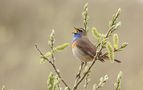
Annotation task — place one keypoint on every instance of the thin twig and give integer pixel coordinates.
(78, 76)
(100, 85)
(87, 81)
(54, 67)
(109, 31)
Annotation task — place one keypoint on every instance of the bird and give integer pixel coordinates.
(82, 48)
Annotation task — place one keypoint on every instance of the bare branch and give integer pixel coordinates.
(78, 76)
(87, 81)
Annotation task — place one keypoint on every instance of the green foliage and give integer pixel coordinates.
(116, 41)
(104, 41)
(101, 38)
(47, 55)
(124, 45)
(96, 34)
(85, 16)
(61, 47)
(53, 50)
(118, 83)
(52, 82)
(114, 23)
(114, 18)
(110, 51)
(52, 38)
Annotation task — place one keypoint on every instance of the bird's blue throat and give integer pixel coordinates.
(76, 36)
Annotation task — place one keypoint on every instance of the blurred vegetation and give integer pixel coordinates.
(4, 88)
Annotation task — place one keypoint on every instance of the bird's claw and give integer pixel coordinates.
(102, 60)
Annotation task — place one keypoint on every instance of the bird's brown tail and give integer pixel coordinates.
(102, 59)
(118, 61)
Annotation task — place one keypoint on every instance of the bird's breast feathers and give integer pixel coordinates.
(79, 54)
(81, 51)
(74, 44)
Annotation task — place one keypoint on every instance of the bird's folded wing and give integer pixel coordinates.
(86, 46)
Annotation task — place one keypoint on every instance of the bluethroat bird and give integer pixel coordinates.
(82, 47)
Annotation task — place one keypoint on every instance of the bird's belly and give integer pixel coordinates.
(79, 54)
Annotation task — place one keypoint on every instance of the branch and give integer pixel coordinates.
(78, 76)
(54, 67)
(87, 80)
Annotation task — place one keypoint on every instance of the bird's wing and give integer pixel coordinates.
(86, 46)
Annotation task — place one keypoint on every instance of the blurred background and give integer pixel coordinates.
(24, 23)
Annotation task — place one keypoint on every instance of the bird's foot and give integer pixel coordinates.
(102, 60)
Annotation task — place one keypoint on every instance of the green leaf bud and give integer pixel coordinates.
(110, 51)
(116, 41)
(61, 47)
(124, 45)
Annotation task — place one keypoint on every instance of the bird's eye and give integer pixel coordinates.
(80, 31)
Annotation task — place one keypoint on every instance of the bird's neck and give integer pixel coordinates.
(76, 36)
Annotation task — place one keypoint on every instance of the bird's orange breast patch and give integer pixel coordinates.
(74, 44)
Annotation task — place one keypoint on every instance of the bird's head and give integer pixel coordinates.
(78, 33)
